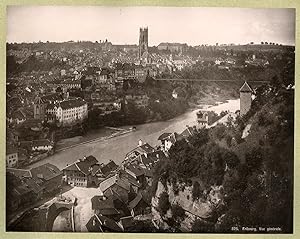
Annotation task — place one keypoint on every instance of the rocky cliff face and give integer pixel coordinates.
(201, 209)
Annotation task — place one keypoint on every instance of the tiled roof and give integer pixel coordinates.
(11, 150)
(135, 201)
(246, 88)
(106, 184)
(99, 203)
(22, 189)
(127, 222)
(109, 167)
(147, 148)
(187, 132)
(71, 167)
(93, 225)
(69, 104)
(41, 142)
(19, 172)
(34, 185)
(126, 176)
(137, 170)
(109, 223)
(152, 158)
(163, 136)
(85, 165)
(52, 97)
(46, 172)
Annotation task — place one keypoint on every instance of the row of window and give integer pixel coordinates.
(79, 184)
(11, 161)
(12, 156)
(78, 179)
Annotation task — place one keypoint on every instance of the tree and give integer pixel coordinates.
(178, 213)
(196, 191)
(163, 203)
(231, 159)
(254, 158)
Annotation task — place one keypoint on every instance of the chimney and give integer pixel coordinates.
(140, 142)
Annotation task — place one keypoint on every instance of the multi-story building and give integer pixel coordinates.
(71, 111)
(202, 119)
(82, 173)
(11, 157)
(67, 112)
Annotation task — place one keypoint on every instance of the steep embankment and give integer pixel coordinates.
(248, 182)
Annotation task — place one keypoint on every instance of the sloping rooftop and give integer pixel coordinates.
(98, 202)
(147, 148)
(135, 201)
(11, 150)
(164, 136)
(109, 223)
(46, 172)
(19, 172)
(86, 164)
(106, 184)
(99, 223)
(135, 169)
(246, 88)
(73, 103)
(109, 167)
(41, 142)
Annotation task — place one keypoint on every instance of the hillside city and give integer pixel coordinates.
(226, 171)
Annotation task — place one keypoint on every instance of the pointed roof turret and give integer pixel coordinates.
(246, 88)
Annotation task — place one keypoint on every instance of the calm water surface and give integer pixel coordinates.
(116, 148)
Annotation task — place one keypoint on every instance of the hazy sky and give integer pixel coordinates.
(120, 25)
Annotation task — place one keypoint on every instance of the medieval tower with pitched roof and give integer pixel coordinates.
(143, 44)
(245, 98)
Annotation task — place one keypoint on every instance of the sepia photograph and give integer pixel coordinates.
(149, 119)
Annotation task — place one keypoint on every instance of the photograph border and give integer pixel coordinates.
(162, 3)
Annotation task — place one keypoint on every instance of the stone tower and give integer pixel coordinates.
(245, 98)
(39, 108)
(143, 44)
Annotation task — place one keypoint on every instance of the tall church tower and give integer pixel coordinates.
(245, 98)
(39, 108)
(143, 44)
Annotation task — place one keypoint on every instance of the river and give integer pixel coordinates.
(116, 148)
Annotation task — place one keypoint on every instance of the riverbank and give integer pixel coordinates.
(115, 148)
(109, 133)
